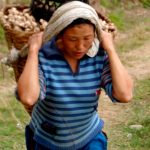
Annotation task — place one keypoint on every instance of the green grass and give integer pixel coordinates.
(140, 138)
(126, 3)
(117, 13)
(141, 108)
(1, 34)
(136, 27)
(3, 44)
(118, 18)
(143, 90)
(110, 4)
(135, 39)
(13, 119)
(122, 137)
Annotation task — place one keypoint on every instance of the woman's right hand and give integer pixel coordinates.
(35, 42)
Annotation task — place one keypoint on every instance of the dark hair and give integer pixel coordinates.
(77, 22)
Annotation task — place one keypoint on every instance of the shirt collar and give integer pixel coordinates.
(50, 48)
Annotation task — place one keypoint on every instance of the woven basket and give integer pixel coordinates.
(15, 39)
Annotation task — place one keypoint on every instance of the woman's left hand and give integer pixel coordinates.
(107, 41)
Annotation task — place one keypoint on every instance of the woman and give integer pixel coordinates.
(64, 79)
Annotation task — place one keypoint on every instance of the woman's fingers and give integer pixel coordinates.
(35, 42)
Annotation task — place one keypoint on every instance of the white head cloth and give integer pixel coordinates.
(66, 14)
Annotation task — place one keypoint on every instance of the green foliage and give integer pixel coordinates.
(3, 43)
(109, 3)
(118, 18)
(146, 3)
(2, 36)
(125, 3)
(22, 2)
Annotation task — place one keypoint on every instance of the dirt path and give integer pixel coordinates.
(138, 64)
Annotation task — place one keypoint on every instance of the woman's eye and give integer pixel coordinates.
(88, 38)
(72, 39)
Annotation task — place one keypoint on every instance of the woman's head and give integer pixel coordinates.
(66, 14)
(70, 16)
(76, 39)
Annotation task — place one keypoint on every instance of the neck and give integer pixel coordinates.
(73, 63)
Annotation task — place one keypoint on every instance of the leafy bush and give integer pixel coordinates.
(2, 37)
(117, 17)
(110, 4)
(146, 3)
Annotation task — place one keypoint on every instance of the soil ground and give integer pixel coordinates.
(137, 63)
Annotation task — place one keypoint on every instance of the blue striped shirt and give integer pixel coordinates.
(65, 116)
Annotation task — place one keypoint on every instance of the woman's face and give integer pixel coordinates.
(77, 40)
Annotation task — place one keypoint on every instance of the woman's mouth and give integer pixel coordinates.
(78, 54)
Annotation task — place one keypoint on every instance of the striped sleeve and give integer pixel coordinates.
(42, 85)
(106, 83)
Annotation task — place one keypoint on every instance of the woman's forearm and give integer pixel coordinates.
(121, 80)
(28, 83)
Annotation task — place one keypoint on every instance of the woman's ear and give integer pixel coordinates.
(59, 43)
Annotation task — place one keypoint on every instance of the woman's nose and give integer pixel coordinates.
(80, 46)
